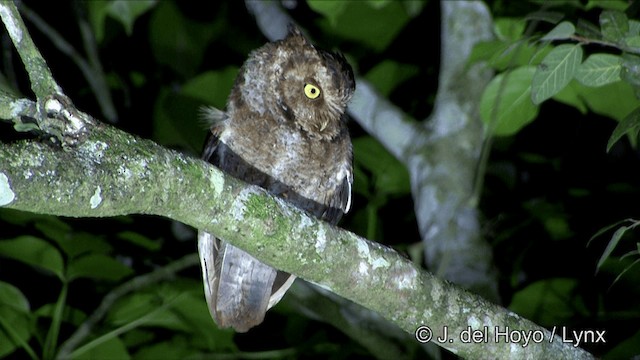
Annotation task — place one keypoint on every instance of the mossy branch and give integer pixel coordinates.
(114, 173)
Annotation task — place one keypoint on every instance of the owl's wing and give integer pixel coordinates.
(340, 201)
(238, 288)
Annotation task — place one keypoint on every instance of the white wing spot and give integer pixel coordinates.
(96, 199)
(6, 194)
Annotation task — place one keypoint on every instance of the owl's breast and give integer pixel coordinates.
(287, 163)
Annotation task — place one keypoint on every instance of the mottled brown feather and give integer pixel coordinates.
(298, 148)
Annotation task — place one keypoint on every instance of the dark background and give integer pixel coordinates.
(548, 189)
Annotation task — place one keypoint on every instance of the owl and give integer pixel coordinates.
(284, 129)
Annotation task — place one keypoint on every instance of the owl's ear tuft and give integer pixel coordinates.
(295, 35)
(293, 30)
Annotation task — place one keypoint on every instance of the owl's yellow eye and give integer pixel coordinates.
(311, 91)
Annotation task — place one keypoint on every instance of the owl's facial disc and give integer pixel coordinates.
(291, 82)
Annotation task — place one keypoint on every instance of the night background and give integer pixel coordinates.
(549, 186)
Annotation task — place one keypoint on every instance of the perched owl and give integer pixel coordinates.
(284, 129)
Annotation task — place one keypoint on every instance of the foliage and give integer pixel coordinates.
(564, 94)
(559, 74)
(559, 71)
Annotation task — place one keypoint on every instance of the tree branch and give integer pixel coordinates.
(113, 173)
(84, 330)
(53, 113)
(444, 158)
(42, 82)
(91, 70)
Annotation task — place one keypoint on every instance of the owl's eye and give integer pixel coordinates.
(311, 91)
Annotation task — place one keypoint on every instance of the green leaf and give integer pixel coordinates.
(588, 30)
(332, 10)
(629, 126)
(140, 240)
(15, 321)
(377, 4)
(22, 218)
(35, 252)
(615, 239)
(570, 96)
(72, 243)
(51, 340)
(637, 261)
(412, 7)
(599, 70)
(354, 23)
(390, 177)
(388, 74)
(555, 72)
(137, 305)
(614, 25)
(606, 229)
(171, 109)
(128, 11)
(98, 266)
(71, 315)
(12, 298)
(506, 105)
(633, 42)
(178, 42)
(513, 55)
(502, 55)
(558, 3)
(182, 300)
(113, 348)
(631, 70)
(211, 87)
(615, 100)
(547, 302)
(173, 349)
(626, 349)
(485, 50)
(552, 216)
(192, 310)
(620, 5)
(97, 13)
(552, 17)
(564, 30)
(169, 127)
(634, 28)
(509, 29)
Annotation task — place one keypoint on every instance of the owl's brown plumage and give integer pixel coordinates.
(285, 130)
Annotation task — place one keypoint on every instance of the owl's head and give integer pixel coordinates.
(307, 87)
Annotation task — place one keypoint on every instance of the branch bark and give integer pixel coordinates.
(113, 173)
(442, 153)
(107, 172)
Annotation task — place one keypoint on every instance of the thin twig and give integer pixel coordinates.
(42, 82)
(136, 283)
(92, 70)
(98, 82)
